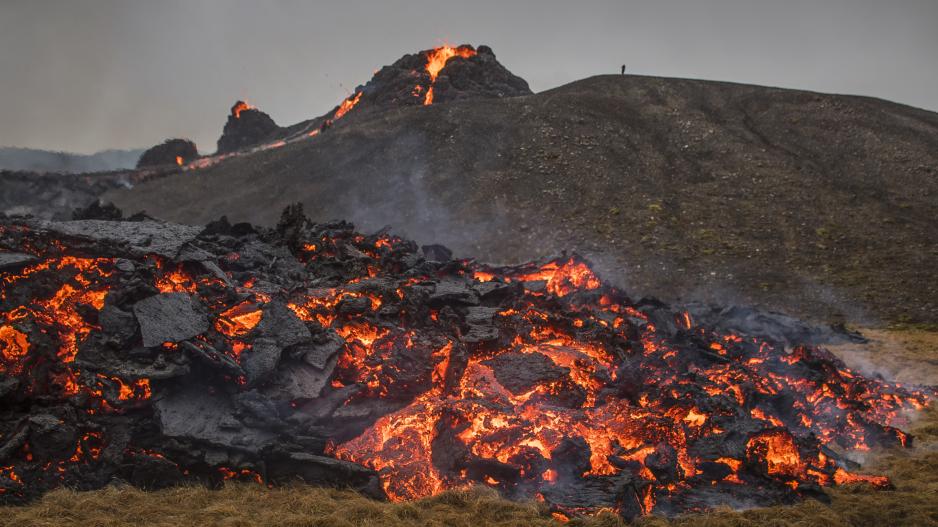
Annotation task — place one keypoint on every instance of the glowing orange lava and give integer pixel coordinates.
(630, 397)
(346, 105)
(436, 61)
(239, 107)
(238, 320)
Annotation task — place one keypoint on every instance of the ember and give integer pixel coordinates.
(160, 353)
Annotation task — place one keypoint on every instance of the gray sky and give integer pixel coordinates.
(85, 75)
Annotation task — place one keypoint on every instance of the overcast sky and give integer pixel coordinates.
(85, 75)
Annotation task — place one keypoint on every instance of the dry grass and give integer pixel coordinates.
(906, 355)
(910, 354)
(252, 505)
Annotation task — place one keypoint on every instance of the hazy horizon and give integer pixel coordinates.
(109, 74)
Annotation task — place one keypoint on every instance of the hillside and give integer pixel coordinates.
(30, 159)
(820, 205)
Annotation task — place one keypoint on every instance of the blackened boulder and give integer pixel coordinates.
(11, 261)
(168, 317)
(138, 237)
(260, 361)
(192, 414)
(325, 470)
(520, 372)
(246, 127)
(477, 77)
(282, 325)
(169, 152)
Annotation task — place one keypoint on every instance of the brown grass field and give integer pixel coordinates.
(908, 355)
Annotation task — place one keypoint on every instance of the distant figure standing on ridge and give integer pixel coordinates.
(623, 69)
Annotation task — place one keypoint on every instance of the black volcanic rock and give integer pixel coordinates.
(194, 414)
(57, 196)
(520, 372)
(480, 76)
(169, 152)
(460, 73)
(143, 237)
(475, 76)
(168, 317)
(246, 366)
(97, 210)
(247, 126)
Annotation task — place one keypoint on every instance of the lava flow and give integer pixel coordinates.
(239, 107)
(240, 352)
(437, 59)
(391, 87)
(346, 105)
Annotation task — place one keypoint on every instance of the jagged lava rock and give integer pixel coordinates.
(168, 317)
(246, 127)
(169, 152)
(469, 73)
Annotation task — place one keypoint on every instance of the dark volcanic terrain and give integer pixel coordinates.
(823, 206)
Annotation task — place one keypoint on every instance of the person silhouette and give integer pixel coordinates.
(623, 69)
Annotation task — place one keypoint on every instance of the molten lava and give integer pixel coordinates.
(436, 61)
(239, 320)
(239, 107)
(778, 451)
(346, 105)
(538, 380)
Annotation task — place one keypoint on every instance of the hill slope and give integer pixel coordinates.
(12, 158)
(821, 205)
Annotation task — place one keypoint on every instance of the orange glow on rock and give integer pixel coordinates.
(346, 105)
(606, 379)
(779, 451)
(436, 61)
(135, 390)
(842, 477)
(239, 107)
(239, 320)
(15, 344)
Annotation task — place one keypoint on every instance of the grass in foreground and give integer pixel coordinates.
(914, 502)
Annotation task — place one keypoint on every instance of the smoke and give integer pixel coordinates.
(404, 201)
(838, 302)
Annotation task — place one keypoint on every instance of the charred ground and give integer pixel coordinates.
(820, 205)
